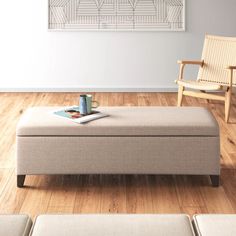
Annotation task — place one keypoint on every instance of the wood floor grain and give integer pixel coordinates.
(113, 193)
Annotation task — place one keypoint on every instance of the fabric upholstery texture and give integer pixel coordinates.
(118, 155)
(215, 224)
(115, 225)
(123, 121)
(15, 225)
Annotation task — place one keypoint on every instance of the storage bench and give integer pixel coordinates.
(132, 140)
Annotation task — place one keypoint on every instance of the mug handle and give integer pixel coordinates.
(97, 104)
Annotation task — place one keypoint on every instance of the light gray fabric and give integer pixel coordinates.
(112, 225)
(123, 121)
(215, 224)
(118, 155)
(15, 225)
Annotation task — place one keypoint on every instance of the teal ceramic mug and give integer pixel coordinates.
(90, 103)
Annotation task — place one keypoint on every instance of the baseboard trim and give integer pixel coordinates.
(55, 90)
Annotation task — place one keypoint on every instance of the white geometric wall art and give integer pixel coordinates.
(135, 15)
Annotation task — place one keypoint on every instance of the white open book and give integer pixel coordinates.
(72, 113)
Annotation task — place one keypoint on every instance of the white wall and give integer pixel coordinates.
(34, 59)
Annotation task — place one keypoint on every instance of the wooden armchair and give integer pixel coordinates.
(217, 72)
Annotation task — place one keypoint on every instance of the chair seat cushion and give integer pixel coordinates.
(115, 225)
(200, 85)
(215, 224)
(122, 121)
(15, 225)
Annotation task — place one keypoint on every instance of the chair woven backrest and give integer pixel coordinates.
(218, 53)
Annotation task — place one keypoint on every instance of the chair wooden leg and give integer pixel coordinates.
(228, 94)
(180, 96)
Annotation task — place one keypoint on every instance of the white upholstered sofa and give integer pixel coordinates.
(119, 225)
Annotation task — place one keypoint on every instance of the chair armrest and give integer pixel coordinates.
(183, 63)
(200, 63)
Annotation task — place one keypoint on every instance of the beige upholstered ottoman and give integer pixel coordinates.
(215, 224)
(115, 225)
(15, 225)
(132, 140)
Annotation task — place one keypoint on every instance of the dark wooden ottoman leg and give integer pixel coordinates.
(20, 181)
(215, 180)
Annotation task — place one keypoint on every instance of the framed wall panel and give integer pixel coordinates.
(105, 15)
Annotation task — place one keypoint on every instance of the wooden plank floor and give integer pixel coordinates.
(114, 194)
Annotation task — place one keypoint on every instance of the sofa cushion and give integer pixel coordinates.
(123, 121)
(115, 225)
(215, 225)
(15, 225)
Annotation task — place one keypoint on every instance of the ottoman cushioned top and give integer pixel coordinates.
(215, 224)
(123, 121)
(115, 225)
(15, 225)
